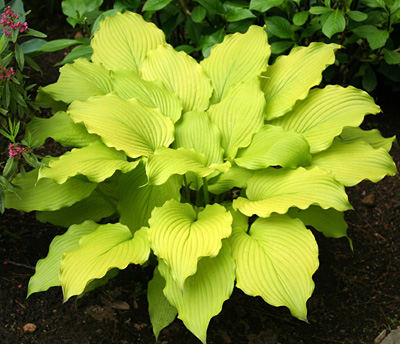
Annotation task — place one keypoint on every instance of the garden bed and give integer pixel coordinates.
(356, 296)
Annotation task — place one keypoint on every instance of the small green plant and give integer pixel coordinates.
(16, 103)
(215, 167)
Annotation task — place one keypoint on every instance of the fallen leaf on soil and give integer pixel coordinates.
(139, 326)
(29, 328)
(369, 199)
(120, 305)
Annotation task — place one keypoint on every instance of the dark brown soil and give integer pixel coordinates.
(357, 294)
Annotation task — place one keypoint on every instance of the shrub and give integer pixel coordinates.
(216, 168)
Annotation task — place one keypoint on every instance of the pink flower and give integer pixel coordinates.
(9, 20)
(15, 151)
(6, 73)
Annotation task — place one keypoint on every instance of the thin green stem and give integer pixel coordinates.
(205, 190)
(187, 189)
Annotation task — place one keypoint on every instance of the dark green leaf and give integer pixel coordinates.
(84, 51)
(395, 7)
(10, 168)
(237, 14)
(6, 184)
(14, 35)
(32, 45)
(7, 96)
(2, 201)
(90, 17)
(264, 5)
(240, 26)
(392, 57)
(76, 8)
(172, 22)
(320, 10)
(369, 81)
(8, 136)
(214, 6)
(357, 16)
(7, 59)
(279, 27)
(32, 63)
(335, 23)
(19, 56)
(300, 18)
(121, 5)
(15, 80)
(207, 42)
(18, 97)
(279, 47)
(188, 49)
(193, 30)
(375, 37)
(3, 42)
(155, 5)
(34, 33)
(58, 44)
(16, 129)
(198, 14)
(374, 3)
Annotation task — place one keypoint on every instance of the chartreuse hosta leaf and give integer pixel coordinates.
(126, 125)
(325, 112)
(276, 190)
(204, 293)
(181, 74)
(46, 194)
(372, 137)
(161, 312)
(96, 161)
(137, 200)
(196, 131)
(79, 81)
(166, 162)
(95, 207)
(239, 115)
(62, 129)
(127, 84)
(181, 235)
(276, 260)
(47, 269)
(109, 246)
(353, 162)
(330, 222)
(291, 77)
(124, 40)
(239, 58)
(235, 177)
(274, 146)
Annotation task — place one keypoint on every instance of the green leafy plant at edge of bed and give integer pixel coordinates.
(215, 167)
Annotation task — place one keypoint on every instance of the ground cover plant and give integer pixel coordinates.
(209, 171)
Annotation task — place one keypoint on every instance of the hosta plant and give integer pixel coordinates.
(210, 171)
